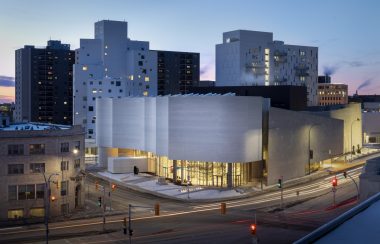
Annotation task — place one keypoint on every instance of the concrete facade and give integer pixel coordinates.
(288, 143)
(254, 58)
(352, 116)
(22, 189)
(371, 127)
(370, 179)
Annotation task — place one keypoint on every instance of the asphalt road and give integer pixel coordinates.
(183, 222)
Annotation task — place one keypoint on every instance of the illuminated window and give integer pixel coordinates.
(131, 77)
(145, 93)
(84, 68)
(146, 78)
(302, 53)
(105, 69)
(106, 46)
(15, 213)
(105, 54)
(266, 51)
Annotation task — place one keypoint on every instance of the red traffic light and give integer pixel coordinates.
(113, 186)
(334, 181)
(253, 229)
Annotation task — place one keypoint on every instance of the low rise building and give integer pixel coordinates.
(331, 94)
(216, 140)
(28, 153)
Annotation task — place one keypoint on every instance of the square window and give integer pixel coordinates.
(15, 169)
(90, 108)
(64, 165)
(65, 147)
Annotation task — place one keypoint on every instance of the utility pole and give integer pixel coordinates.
(334, 185)
(130, 231)
(104, 208)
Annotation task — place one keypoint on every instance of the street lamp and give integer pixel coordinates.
(47, 201)
(352, 123)
(309, 157)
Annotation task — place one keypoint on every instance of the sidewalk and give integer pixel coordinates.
(150, 184)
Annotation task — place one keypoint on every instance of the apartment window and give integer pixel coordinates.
(90, 131)
(77, 145)
(17, 149)
(37, 167)
(12, 193)
(40, 191)
(37, 212)
(109, 90)
(84, 68)
(15, 169)
(140, 63)
(64, 209)
(64, 165)
(15, 213)
(90, 108)
(121, 90)
(77, 163)
(145, 93)
(21, 192)
(302, 53)
(64, 188)
(146, 78)
(65, 147)
(30, 192)
(118, 83)
(37, 149)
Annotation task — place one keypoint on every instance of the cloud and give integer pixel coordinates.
(6, 99)
(7, 81)
(204, 69)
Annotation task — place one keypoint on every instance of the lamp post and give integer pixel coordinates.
(309, 153)
(47, 201)
(352, 123)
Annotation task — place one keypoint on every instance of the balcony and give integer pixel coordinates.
(301, 70)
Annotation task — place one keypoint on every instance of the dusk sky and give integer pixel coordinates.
(346, 31)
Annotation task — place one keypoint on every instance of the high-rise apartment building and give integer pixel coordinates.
(254, 58)
(177, 72)
(44, 80)
(114, 66)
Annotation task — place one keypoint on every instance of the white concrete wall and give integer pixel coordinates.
(128, 122)
(215, 128)
(125, 164)
(204, 128)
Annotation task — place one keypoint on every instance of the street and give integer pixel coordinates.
(306, 207)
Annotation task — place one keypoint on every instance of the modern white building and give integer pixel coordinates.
(110, 65)
(254, 58)
(113, 66)
(215, 140)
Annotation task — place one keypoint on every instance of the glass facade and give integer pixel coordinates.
(214, 174)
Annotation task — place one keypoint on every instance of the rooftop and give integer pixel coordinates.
(34, 126)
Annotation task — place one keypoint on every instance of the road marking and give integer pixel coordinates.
(11, 228)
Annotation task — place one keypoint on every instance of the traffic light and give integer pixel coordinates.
(253, 228)
(334, 181)
(345, 174)
(99, 201)
(96, 185)
(279, 183)
(113, 186)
